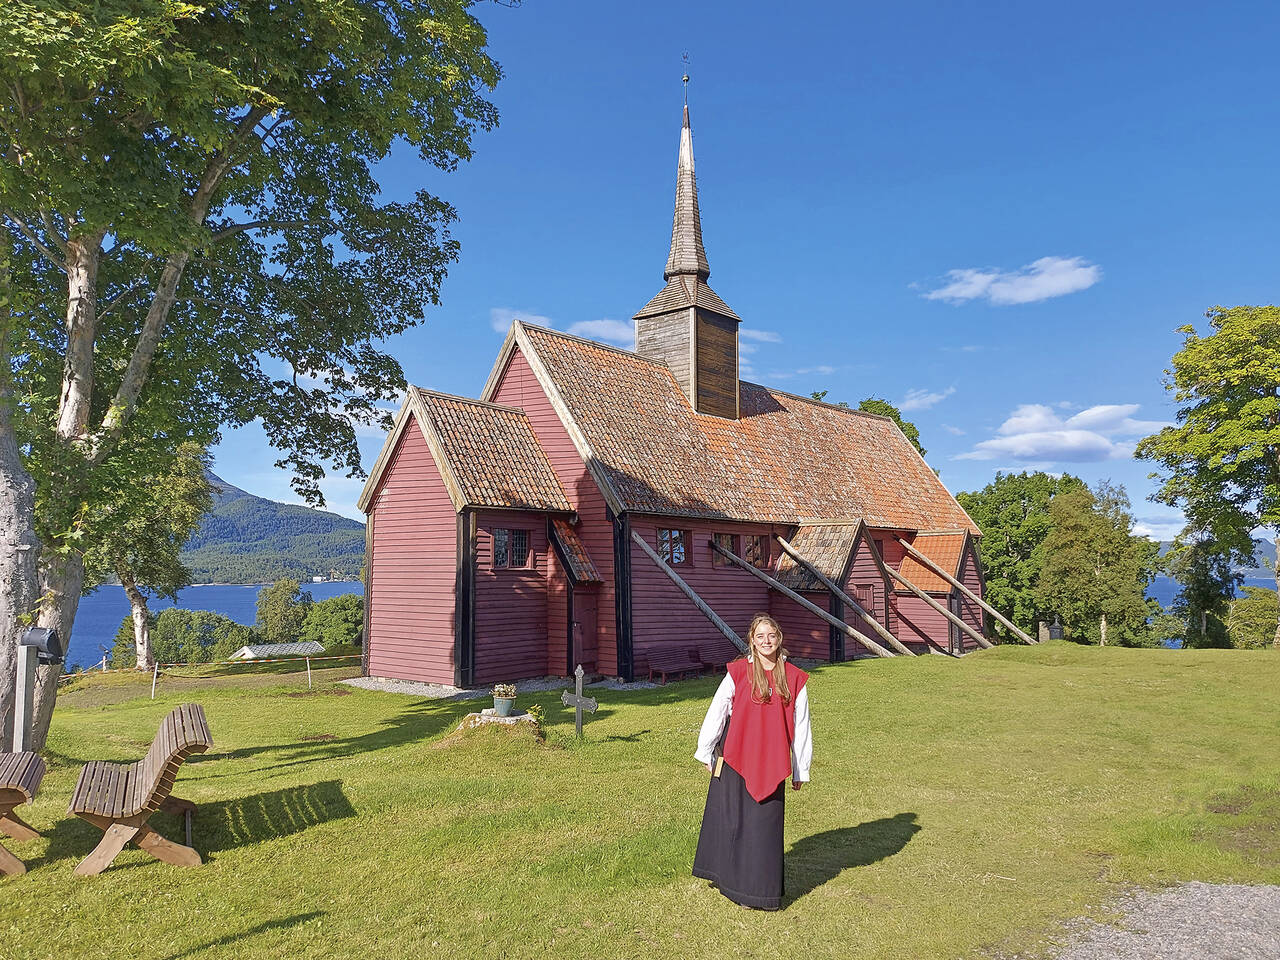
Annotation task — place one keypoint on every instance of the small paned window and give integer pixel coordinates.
(756, 552)
(510, 547)
(672, 546)
(726, 541)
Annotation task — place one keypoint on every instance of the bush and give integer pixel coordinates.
(196, 636)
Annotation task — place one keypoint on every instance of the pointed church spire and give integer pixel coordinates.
(687, 257)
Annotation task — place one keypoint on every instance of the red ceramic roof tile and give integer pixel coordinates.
(575, 551)
(786, 460)
(825, 545)
(493, 454)
(943, 549)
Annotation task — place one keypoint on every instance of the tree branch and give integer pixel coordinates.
(25, 231)
(256, 224)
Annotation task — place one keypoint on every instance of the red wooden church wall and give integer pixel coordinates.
(511, 604)
(519, 388)
(414, 560)
(970, 612)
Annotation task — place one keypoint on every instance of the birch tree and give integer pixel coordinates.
(198, 240)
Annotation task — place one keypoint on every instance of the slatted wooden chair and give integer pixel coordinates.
(20, 776)
(120, 799)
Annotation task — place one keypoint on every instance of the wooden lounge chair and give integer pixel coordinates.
(120, 799)
(20, 776)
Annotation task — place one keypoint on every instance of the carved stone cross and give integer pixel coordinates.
(578, 701)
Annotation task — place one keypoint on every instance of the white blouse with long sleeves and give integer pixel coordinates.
(718, 715)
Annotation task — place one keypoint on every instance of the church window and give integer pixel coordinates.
(726, 541)
(756, 552)
(673, 546)
(510, 547)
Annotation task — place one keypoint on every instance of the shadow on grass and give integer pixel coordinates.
(266, 816)
(281, 923)
(217, 827)
(814, 860)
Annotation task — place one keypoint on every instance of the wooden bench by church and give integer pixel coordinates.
(677, 662)
(20, 776)
(119, 799)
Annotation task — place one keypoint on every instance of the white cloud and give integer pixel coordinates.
(954, 431)
(746, 349)
(610, 331)
(1158, 528)
(921, 399)
(500, 318)
(766, 336)
(1034, 432)
(1041, 279)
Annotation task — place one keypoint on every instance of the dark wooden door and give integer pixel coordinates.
(585, 613)
(955, 636)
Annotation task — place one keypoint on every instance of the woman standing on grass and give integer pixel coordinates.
(765, 705)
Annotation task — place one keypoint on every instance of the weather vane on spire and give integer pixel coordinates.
(685, 79)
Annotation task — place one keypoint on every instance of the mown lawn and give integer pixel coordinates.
(959, 808)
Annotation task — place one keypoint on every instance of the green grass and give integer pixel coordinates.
(959, 808)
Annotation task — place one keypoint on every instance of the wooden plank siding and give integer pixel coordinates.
(805, 634)
(865, 577)
(663, 618)
(972, 614)
(557, 645)
(666, 337)
(914, 621)
(412, 567)
(511, 603)
(519, 388)
(717, 357)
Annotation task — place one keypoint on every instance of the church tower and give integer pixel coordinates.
(686, 324)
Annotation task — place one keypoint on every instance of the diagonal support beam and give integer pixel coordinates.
(689, 592)
(876, 625)
(840, 625)
(982, 641)
(955, 582)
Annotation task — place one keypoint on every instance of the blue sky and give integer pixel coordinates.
(995, 215)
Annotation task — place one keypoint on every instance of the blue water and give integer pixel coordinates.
(100, 613)
(1165, 589)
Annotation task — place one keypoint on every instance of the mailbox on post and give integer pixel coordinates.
(36, 645)
(48, 647)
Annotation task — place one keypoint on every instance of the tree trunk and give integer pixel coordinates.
(141, 625)
(61, 583)
(1102, 627)
(19, 551)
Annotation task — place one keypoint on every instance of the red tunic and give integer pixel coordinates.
(758, 745)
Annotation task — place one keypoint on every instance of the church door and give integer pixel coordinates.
(585, 607)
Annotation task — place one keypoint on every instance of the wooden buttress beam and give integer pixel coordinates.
(689, 592)
(813, 608)
(963, 589)
(876, 625)
(982, 641)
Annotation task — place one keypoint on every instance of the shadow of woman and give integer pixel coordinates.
(814, 860)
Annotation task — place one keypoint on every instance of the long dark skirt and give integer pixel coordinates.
(740, 844)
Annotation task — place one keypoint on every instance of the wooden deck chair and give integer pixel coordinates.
(120, 799)
(20, 776)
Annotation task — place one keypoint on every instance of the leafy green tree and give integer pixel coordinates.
(198, 239)
(282, 610)
(337, 621)
(1207, 582)
(885, 409)
(142, 533)
(1012, 511)
(1095, 572)
(1250, 618)
(1221, 462)
(196, 636)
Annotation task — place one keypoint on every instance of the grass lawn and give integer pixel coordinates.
(959, 808)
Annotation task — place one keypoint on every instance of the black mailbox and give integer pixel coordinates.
(45, 640)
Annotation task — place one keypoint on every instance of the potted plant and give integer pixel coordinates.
(504, 695)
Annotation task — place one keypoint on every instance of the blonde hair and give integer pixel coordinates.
(759, 681)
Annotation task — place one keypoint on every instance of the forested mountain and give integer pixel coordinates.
(1264, 555)
(249, 539)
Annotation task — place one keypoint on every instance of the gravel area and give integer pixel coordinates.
(1195, 921)
(440, 691)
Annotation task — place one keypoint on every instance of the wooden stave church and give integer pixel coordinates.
(576, 451)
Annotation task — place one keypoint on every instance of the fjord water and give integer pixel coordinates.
(101, 611)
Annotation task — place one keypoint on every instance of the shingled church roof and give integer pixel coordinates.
(786, 460)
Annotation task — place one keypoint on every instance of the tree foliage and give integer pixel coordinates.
(1207, 580)
(1251, 618)
(335, 621)
(282, 610)
(184, 636)
(1095, 572)
(1013, 514)
(1221, 461)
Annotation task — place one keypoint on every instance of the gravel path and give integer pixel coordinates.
(440, 691)
(1195, 921)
